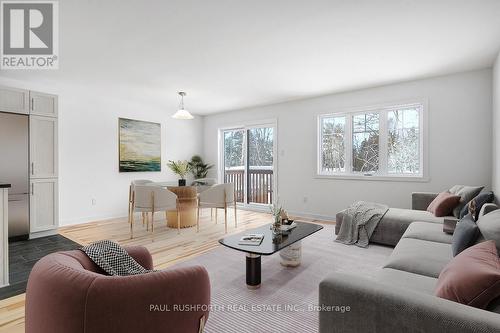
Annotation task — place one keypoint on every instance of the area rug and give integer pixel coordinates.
(287, 298)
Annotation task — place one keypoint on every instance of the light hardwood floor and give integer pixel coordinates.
(165, 245)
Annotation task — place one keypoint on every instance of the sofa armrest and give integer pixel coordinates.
(141, 255)
(173, 300)
(377, 307)
(422, 200)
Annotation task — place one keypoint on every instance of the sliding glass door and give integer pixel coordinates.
(248, 162)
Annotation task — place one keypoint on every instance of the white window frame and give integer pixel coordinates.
(382, 173)
(273, 122)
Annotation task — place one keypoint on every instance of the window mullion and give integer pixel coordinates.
(383, 137)
(348, 143)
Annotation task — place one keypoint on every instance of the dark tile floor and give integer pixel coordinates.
(24, 254)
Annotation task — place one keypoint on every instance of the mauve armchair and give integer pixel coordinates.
(68, 293)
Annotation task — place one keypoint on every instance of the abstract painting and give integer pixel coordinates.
(140, 145)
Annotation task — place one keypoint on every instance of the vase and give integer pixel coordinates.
(182, 182)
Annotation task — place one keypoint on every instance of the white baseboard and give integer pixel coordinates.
(83, 220)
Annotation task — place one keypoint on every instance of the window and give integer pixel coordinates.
(384, 142)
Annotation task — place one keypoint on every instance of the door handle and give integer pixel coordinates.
(32, 188)
(32, 104)
(32, 168)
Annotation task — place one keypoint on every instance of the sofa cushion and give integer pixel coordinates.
(466, 193)
(427, 231)
(472, 277)
(489, 226)
(420, 257)
(465, 235)
(407, 280)
(443, 204)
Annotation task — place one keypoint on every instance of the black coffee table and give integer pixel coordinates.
(268, 246)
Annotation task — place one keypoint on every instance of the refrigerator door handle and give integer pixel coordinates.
(32, 188)
(32, 168)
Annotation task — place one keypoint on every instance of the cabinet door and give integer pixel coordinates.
(43, 104)
(43, 147)
(43, 205)
(14, 100)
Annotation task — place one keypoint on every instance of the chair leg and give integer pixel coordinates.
(225, 219)
(211, 214)
(132, 224)
(235, 218)
(143, 218)
(216, 215)
(152, 222)
(166, 217)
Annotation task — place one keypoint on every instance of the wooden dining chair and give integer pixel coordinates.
(217, 196)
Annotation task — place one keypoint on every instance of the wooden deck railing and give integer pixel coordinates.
(260, 185)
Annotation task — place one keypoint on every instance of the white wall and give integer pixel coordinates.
(459, 142)
(88, 147)
(496, 126)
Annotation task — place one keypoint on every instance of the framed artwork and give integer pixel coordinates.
(140, 145)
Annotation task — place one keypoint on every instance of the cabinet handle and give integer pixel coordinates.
(32, 188)
(32, 168)
(32, 104)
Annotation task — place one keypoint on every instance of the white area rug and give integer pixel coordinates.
(286, 297)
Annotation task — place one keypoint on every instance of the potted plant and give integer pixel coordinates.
(180, 168)
(198, 168)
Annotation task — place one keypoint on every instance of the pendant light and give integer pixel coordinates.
(182, 113)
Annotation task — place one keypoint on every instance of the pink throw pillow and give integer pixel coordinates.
(472, 277)
(443, 204)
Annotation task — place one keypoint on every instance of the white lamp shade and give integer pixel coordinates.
(182, 114)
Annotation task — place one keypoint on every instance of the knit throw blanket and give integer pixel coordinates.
(359, 222)
(113, 258)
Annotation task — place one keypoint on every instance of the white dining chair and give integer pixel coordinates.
(152, 199)
(131, 196)
(217, 196)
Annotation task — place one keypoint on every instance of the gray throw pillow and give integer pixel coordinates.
(467, 193)
(489, 226)
(465, 234)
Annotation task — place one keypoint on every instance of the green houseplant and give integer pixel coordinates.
(180, 168)
(198, 168)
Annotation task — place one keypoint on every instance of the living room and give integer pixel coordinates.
(232, 166)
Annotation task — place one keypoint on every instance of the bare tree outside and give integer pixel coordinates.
(333, 144)
(403, 141)
(365, 142)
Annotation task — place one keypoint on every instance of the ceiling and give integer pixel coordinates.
(233, 54)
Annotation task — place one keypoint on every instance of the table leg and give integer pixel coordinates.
(253, 271)
(291, 255)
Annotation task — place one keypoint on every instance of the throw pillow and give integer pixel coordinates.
(472, 277)
(443, 204)
(474, 206)
(466, 193)
(465, 235)
(489, 226)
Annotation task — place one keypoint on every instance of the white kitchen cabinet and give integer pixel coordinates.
(43, 104)
(43, 205)
(14, 100)
(43, 147)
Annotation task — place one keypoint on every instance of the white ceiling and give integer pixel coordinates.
(231, 54)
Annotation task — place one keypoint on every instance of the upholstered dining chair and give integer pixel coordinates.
(131, 196)
(217, 196)
(152, 199)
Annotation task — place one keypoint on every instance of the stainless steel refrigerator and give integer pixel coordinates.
(14, 164)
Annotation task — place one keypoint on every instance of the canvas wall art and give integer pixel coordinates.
(140, 145)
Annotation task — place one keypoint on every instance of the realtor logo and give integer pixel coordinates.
(29, 33)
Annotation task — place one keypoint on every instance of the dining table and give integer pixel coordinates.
(187, 201)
